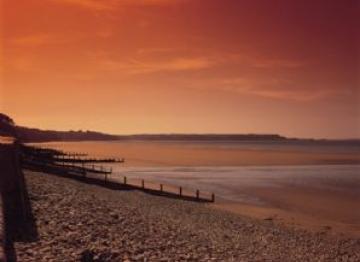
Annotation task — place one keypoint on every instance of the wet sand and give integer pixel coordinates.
(299, 207)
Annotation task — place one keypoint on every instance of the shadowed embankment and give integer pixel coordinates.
(19, 225)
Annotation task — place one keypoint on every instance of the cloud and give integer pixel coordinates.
(103, 5)
(22, 64)
(172, 65)
(97, 5)
(273, 88)
(263, 62)
(273, 63)
(31, 40)
(156, 50)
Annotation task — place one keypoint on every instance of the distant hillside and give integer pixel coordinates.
(36, 135)
(206, 137)
(25, 134)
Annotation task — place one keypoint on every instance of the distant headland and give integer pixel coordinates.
(37, 135)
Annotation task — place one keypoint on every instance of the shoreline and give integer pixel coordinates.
(323, 198)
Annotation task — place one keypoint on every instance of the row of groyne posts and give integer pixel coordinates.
(80, 165)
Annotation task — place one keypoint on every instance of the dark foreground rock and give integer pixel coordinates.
(79, 222)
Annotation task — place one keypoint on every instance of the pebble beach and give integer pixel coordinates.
(83, 222)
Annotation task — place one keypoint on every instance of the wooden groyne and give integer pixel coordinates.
(68, 167)
(79, 159)
(52, 155)
(165, 190)
(73, 165)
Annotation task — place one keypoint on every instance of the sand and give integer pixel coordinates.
(77, 221)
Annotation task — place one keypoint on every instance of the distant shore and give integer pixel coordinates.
(37, 135)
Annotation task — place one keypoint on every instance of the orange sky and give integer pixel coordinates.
(183, 66)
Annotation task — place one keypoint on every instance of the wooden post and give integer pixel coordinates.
(143, 184)
(213, 197)
(161, 187)
(180, 191)
(83, 169)
(197, 194)
(124, 180)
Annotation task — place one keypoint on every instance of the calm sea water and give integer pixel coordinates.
(184, 153)
(231, 169)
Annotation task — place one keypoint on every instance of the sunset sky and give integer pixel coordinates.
(183, 66)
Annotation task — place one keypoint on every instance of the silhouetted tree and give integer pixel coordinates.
(6, 119)
(7, 125)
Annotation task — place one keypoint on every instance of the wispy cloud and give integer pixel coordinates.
(272, 88)
(23, 64)
(103, 5)
(31, 40)
(275, 63)
(97, 5)
(141, 67)
(263, 62)
(156, 50)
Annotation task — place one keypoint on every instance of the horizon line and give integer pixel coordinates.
(196, 134)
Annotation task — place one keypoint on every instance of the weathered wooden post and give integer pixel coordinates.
(212, 197)
(124, 180)
(197, 194)
(180, 191)
(161, 187)
(143, 183)
(83, 169)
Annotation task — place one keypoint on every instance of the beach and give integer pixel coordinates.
(80, 221)
(307, 185)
